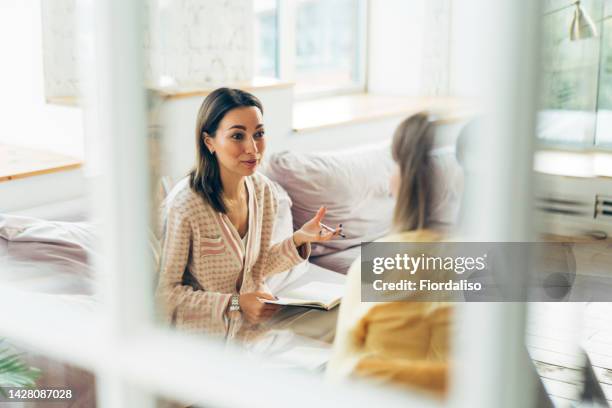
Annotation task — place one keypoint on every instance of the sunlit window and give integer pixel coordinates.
(327, 44)
(604, 113)
(575, 75)
(328, 50)
(266, 34)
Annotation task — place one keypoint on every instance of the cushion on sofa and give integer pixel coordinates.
(52, 256)
(29, 229)
(47, 256)
(353, 184)
(339, 261)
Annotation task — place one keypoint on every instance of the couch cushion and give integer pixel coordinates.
(353, 185)
(67, 234)
(47, 256)
(52, 256)
(339, 261)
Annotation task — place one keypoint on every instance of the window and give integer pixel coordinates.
(266, 34)
(604, 113)
(327, 45)
(576, 101)
(318, 44)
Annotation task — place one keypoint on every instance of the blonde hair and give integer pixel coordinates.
(412, 143)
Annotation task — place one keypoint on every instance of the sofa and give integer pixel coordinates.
(353, 185)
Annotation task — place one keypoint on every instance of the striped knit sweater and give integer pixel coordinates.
(203, 256)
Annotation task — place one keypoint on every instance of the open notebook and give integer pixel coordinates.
(320, 295)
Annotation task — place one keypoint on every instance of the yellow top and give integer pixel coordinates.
(401, 343)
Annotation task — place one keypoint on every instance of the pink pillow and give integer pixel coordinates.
(68, 234)
(47, 256)
(352, 184)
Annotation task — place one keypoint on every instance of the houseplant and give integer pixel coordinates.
(14, 372)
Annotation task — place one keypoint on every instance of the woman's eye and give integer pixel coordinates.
(237, 136)
(259, 135)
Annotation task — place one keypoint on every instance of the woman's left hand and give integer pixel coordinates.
(313, 231)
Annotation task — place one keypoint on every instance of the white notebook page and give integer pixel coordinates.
(315, 291)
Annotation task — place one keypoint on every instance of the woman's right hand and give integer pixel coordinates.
(255, 310)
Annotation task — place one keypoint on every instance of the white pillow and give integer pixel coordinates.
(68, 234)
(352, 184)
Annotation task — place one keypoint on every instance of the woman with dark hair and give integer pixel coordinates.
(217, 245)
(404, 342)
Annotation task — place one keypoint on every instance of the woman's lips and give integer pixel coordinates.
(250, 163)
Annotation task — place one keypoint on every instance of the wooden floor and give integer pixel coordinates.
(553, 332)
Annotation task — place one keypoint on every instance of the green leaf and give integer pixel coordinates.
(14, 372)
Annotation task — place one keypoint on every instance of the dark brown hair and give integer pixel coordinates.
(205, 178)
(412, 143)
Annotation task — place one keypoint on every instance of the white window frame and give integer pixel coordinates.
(286, 30)
(134, 359)
(592, 145)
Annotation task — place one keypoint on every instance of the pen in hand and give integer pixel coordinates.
(330, 229)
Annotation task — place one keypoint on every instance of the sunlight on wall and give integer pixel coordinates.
(26, 118)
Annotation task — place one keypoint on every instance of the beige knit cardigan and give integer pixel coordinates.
(203, 256)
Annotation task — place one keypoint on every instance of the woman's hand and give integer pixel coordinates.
(313, 231)
(255, 310)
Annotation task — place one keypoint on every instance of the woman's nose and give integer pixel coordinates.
(251, 146)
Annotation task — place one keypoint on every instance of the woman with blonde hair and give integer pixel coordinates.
(404, 343)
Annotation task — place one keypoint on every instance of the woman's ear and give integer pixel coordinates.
(208, 142)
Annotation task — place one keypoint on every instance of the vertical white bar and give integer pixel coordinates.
(494, 58)
(286, 38)
(121, 190)
(123, 197)
(363, 44)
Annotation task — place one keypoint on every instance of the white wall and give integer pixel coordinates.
(37, 196)
(187, 44)
(26, 119)
(409, 47)
(464, 34)
(396, 46)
